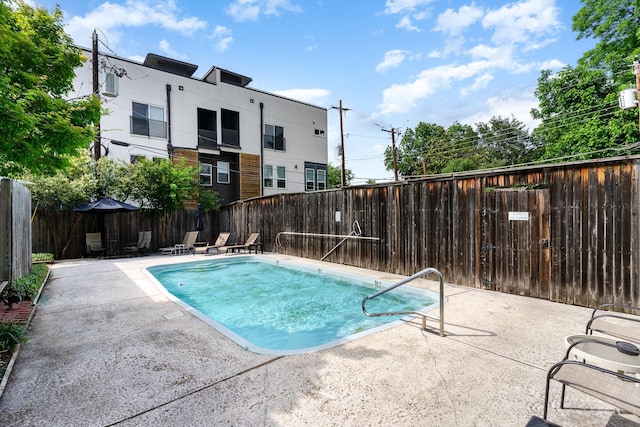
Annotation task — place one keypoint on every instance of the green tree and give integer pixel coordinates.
(334, 176)
(50, 194)
(503, 142)
(580, 115)
(164, 186)
(40, 131)
(425, 147)
(614, 23)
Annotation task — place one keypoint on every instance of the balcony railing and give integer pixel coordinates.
(230, 137)
(207, 138)
(148, 127)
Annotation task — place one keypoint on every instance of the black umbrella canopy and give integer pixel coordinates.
(106, 205)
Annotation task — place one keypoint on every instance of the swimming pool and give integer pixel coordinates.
(279, 307)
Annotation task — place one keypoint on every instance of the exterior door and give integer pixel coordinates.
(515, 253)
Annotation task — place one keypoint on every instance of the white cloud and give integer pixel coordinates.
(521, 21)
(552, 64)
(400, 98)
(250, 10)
(392, 59)
(403, 6)
(454, 23)
(165, 47)
(405, 22)
(506, 106)
(108, 17)
(223, 37)
(244, 10)
(409, 10)
(311, 96)
(479, 83)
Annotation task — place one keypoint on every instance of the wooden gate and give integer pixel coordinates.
(515, 235)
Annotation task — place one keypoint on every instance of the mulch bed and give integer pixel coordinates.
(20, 312)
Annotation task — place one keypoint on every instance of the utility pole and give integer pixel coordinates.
(96, 92)
(343, 171)
(393, 150)
(636, 71)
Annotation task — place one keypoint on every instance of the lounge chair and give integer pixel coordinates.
(186, 246)
(141, 246)
(94, 244)
(252, 242)
(220, 242)
(615, 324)
(613, 387)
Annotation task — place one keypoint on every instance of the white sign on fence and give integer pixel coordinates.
(518, 216)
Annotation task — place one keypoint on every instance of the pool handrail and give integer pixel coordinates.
(427, 270)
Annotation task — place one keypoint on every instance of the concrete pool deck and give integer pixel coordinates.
(107, 348)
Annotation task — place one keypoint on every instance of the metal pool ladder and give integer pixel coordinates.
(402, 282)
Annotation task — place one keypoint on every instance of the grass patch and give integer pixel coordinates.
(27, 287)
(42, 257)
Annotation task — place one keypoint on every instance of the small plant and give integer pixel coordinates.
(12, 333)
(27, 286)
(42, 257)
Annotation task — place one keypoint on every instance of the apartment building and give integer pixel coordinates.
(246, 142)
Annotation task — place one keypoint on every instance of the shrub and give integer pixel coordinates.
(12, 333)
(27, 287)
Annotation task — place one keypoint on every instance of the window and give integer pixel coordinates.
(230, 127)
(321, 176)
(274, 137)
(319, 132)
(224, 172)
(206, 174)
(207, 128)
(148, 120)
(315, 176)
(267, 176)
(310, 179)
(281, 177)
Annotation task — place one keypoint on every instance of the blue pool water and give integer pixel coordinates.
(275, 307)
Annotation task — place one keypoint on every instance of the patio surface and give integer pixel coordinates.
(107, 348)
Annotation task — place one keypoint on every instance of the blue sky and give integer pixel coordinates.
(393, 63)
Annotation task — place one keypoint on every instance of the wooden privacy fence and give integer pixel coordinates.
(15, 230)
(566, 232)
(63, 233)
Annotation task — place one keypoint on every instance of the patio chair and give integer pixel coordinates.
(141, 246)
(615, 324)
(252, 242)
(613, 387)
(186, 246)
(94, 244)
(220, 242)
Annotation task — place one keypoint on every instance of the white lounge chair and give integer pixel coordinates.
(186, 246)
(220, 242)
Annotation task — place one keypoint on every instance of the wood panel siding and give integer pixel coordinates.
(250, 174)
(190, 158)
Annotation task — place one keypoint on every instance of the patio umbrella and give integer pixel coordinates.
(199, 222)
(106, 205)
